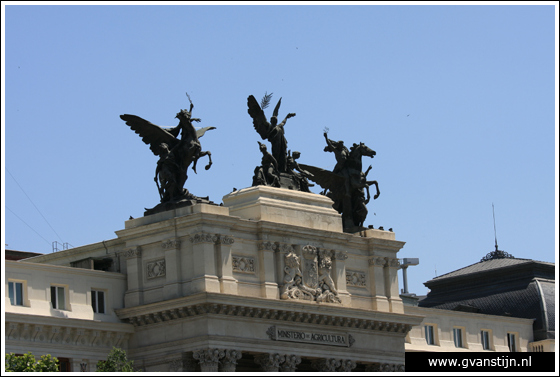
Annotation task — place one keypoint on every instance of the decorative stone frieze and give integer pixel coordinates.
(269, 314)
(171, 244)
(155, 269)
(225, 240)
(217, 239)
(270, 362)
(356, 279)
(243, 264)
(133, 252)
(203, 238)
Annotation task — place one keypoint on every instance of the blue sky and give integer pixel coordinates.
(457, 101)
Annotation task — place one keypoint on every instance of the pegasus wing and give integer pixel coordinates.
(324, 178)
(277, 108)
(202, 131)
(150, 133)
(259, 119)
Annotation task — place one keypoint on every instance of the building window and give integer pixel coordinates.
(64, 364)
(98, 301)
(485, 339)
(512, 342)
(16, 293)
(429, 332)
(58, 297)
(458, 337)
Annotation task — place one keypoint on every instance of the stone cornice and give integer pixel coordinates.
(65, 332)
(66, 270)
(68, 322)
(224, 305)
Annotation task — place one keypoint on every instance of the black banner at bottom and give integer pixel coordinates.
(480, 362)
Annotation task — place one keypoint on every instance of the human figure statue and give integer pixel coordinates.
(299, 174)
(267, 173)
(271, 131)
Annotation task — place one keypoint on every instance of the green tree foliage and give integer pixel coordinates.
(116, 362)
(27, 363)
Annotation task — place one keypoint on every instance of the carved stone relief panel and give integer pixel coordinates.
(309, 278)
(243, 264)
(155, 269)
(356, 279)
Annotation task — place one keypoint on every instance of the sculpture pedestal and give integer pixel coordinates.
(284, 206)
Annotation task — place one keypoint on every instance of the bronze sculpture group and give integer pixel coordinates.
(175, 156)
(347, 185)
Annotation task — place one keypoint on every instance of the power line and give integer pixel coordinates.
(33, 205)
(27, 225)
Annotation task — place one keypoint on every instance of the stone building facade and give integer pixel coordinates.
(268, 281)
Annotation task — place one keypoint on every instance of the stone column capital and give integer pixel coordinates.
(270, 362)
(208, 358)
(290, 364)
(133, 252)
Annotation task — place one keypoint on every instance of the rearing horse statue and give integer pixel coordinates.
(175, 155)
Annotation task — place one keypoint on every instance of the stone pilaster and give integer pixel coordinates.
(134, 296)
(290, 364)
(204, 263)
(267, 270)
(377, 283)
(228, 284)
(172, 252)
(339, 275)
(229, 362)
(208, 359)
(270, 362)
(392, 285)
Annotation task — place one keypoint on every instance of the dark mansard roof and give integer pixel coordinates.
(500, 285)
